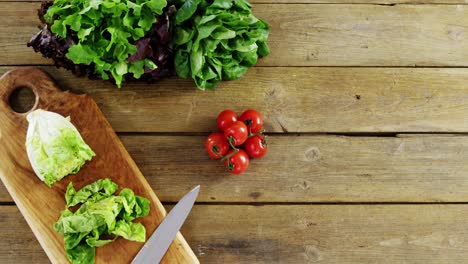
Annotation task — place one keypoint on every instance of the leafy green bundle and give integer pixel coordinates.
(105, 30)
(101, 214)
(217, 40)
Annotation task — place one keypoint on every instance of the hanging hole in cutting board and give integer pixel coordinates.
(22, 99)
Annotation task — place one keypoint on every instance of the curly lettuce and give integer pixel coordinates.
(54, 146)
(104, 32)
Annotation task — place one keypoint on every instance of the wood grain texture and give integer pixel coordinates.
(40, 204)
(297, 234)
(21, 22)
(291, 100)
(310, 169)
(365, 35)
(313, 35)
(313, 169)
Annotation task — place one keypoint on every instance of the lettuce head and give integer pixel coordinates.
(54, 146)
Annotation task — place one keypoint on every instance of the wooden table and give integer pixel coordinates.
(366, 104)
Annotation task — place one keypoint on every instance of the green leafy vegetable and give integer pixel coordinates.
(106, 31)
(217, 40)
(101, 218)
(54, 146)
(91, 191)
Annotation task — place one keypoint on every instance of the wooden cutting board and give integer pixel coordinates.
(41, 205)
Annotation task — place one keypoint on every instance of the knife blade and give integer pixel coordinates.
(162, 237)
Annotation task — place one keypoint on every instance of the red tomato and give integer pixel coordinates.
(225, 119)
(237, 163)
(256, 146)
(216, 145)
(237, 132)
(253, 120)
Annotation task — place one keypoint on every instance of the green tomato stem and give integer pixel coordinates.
(230, 155)
(256, 134)
(231, 142)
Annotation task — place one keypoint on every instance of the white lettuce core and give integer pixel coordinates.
(54, 146)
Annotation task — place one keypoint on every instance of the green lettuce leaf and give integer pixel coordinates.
(81, 254)
(186, 11)
(106, 30)
(54, 146)
(105, 186)
(217, 40)
(101, 218)
(130, 231)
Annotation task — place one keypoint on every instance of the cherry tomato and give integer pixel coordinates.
(253, 120)
(237, 163)
(216, 145)
(255, 146)
(225, 119)
(237, 132)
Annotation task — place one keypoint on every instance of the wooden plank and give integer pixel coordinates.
(313, 35)
(310, 169)
(297, 234)
(291, 100)
(365, 35)
(20, 23)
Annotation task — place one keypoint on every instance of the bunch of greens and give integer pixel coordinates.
(217, 40)
(102, 33)
(209, 40)
(101, 218)
(54, 146)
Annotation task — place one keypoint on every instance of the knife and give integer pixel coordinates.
(162, 237)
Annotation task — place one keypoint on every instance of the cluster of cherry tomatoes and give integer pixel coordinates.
(240, 138)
